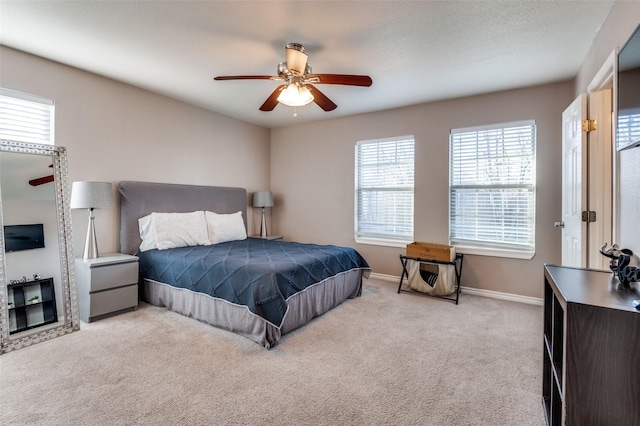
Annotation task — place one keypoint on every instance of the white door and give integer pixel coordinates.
(600, 186)
(574, 194)
(587, 181)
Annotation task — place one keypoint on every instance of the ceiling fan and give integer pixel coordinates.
(41, 180)
(298, 88)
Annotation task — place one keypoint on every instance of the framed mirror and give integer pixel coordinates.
(38, 295)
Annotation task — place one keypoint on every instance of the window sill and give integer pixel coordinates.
(479, 251)
(387, 243)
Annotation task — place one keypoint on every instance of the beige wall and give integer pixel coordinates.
(614, 32)
(115, 132)
(312, 176)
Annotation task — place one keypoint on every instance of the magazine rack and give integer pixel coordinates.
(457, 263)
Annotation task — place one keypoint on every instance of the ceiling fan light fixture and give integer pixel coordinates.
(304, 95)
(295, 96)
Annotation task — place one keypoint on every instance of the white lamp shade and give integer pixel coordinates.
(91, 195)
(262, 199)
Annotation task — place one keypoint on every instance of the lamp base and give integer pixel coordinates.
(263, 226)
(90, 244)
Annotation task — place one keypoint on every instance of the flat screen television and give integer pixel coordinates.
(628, 129)
(23, 237)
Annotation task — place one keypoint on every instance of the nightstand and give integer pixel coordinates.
(107, 285)
(268, 237)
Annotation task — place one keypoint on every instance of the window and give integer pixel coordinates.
(26, 118)
(384, 191)
(492, 189)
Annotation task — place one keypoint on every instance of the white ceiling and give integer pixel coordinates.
(415, 51)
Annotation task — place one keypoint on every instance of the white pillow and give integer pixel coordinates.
(170, 230)
(147, 233)
(225, 227)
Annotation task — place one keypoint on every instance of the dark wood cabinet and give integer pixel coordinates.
(31, 304)
(591, 361)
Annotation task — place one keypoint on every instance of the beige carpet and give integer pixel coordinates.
(383, 358)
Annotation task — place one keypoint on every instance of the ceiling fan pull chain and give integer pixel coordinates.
(295, 111)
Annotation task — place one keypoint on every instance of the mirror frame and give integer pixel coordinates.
(71, 321)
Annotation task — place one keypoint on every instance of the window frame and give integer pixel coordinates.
(484, 247)
(372, 238)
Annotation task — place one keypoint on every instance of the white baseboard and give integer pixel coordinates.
(477, 292)
(385, 277)
(500, 295)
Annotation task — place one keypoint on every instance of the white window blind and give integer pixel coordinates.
(492, 187)
(628, 127)
(384, 190)
(26, 118)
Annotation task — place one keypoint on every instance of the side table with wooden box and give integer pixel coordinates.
(431, 270)
(107, 285)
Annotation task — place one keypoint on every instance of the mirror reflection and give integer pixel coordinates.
(36, 289)
(32, 255)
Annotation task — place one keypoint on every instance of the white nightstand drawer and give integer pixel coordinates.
(109, 276)
(114, 300)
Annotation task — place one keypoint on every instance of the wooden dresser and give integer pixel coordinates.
(591, 361)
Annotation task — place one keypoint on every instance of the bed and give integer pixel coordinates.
(260, 289)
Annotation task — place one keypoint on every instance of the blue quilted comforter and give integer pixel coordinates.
(260, 274)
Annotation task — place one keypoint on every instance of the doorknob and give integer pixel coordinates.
(558, 224)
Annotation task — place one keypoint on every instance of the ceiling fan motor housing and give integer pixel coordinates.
(296, 58)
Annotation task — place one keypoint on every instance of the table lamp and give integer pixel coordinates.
(91, 195)
(262, 199)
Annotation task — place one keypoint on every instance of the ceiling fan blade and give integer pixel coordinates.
(242, 77)
(272, 100)
(346, 79)
(41, 181)
(321, 99)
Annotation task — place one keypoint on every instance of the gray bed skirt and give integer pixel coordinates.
(302, 306)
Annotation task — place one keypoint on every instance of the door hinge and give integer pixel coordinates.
(589, 216)
(589, 125)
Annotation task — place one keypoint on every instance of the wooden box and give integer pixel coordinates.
(440, 252)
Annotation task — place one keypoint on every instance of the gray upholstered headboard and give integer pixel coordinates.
(138, 199)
